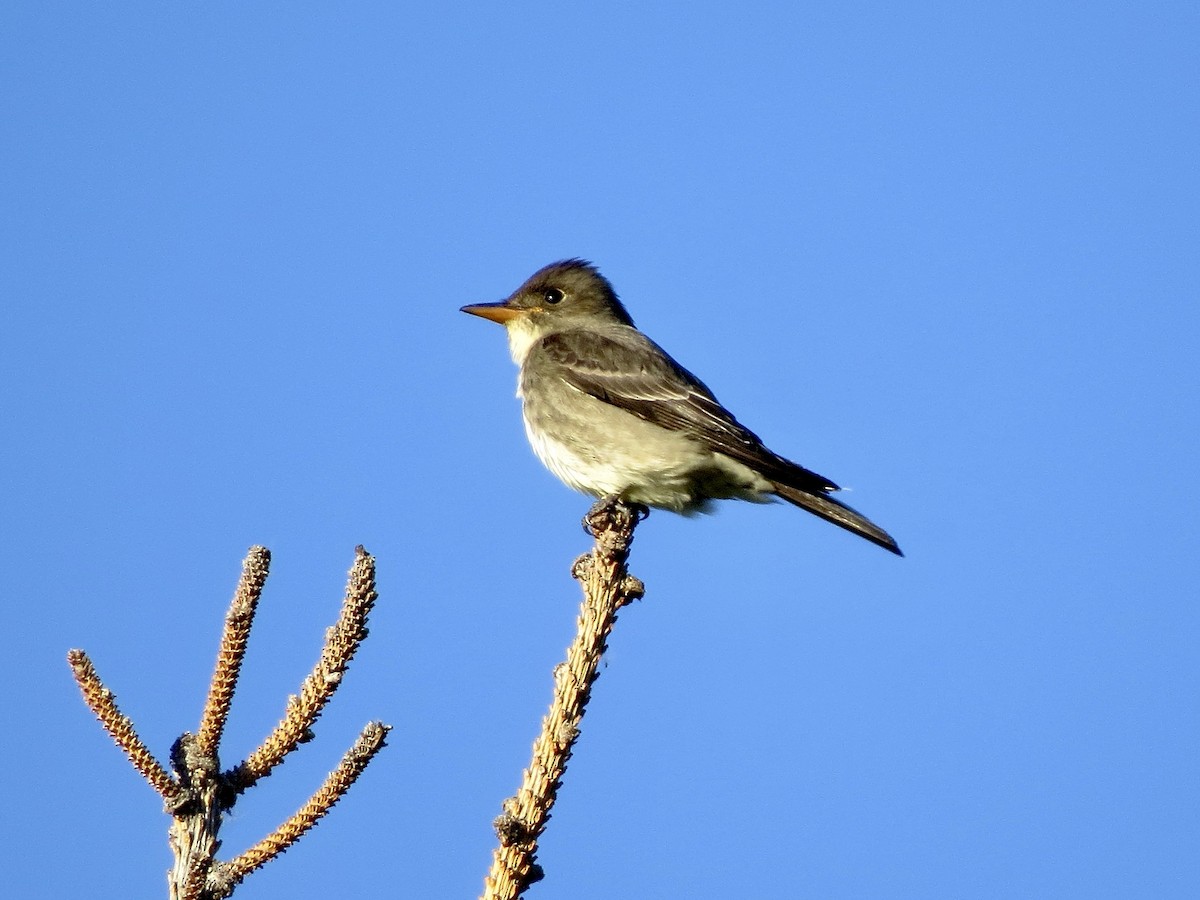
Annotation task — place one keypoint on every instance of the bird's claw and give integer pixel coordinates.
(608, 510)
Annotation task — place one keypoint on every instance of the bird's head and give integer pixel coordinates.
(556, 297)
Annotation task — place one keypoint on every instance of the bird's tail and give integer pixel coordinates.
(838, 513)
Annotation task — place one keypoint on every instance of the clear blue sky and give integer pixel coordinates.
(943, 253)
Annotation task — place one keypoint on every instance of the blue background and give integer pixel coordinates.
(943, 253)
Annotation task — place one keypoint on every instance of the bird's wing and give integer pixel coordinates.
(635, 374)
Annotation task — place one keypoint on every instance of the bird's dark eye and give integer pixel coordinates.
(552, 296)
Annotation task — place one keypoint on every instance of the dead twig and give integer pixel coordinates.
(198, 794)
(607, 586)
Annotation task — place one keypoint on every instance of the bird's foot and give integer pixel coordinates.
(611, 510)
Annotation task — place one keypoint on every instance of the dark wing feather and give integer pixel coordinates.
(636, 375)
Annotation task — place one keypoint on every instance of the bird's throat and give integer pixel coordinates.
(523, 333)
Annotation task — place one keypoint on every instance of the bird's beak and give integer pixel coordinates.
(498, 312)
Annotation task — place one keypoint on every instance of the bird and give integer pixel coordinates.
(613, 415)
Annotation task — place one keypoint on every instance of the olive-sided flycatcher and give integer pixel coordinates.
(612, 415)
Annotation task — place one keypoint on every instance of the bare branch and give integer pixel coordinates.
(341, 643)
(200, 793)
(103, 703)
(607, 586)
(228, 875)
(233, 648)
